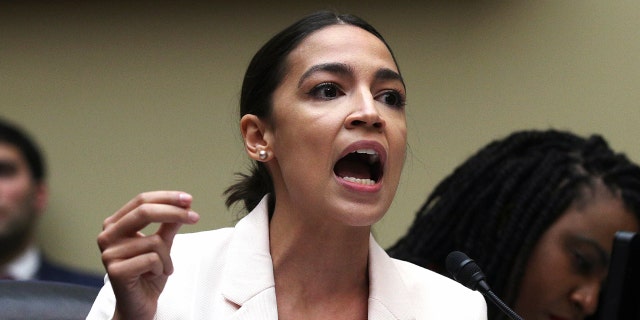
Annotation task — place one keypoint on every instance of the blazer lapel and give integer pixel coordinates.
(389, 298)
(259, 307)
(249, 287)
(248, 276)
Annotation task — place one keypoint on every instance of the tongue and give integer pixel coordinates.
(351, 167)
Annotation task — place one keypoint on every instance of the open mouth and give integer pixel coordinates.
(362, 166)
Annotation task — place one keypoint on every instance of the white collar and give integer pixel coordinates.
(25, 266)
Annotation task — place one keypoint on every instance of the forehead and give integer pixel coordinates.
(341, 43)
(600, 213)
(9, 152)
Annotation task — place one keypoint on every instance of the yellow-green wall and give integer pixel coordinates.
(133, 96)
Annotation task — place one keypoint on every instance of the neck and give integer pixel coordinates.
(319, 266)
(13, 247)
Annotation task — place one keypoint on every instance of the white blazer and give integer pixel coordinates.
(228, 274)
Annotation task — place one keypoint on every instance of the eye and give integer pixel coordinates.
(582, 264)
(8, 169)
(325, 91)
(392, 98)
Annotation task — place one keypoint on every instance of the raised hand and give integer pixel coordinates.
(139, 265)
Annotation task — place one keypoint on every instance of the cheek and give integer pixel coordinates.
(545, 280)
(398, 143)
(14, 191)
(398, 158)
(397, 128)
(17, 207)
(532, 289)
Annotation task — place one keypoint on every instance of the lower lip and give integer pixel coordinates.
(360, 187)
(552, 317)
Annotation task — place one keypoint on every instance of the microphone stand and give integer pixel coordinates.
(468, 273)
(487, 292)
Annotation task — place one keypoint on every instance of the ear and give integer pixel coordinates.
(255, 135)
(41, 198)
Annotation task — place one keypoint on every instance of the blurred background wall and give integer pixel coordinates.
(131, 96)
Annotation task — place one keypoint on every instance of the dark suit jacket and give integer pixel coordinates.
(50, 271)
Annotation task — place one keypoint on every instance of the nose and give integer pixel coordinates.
(365, 113)
(585, 297)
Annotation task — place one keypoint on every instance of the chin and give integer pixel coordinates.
(362, 215)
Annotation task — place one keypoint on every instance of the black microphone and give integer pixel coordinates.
(468, 273)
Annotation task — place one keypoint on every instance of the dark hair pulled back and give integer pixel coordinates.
(264, 74)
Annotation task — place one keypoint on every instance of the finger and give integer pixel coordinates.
(168, 230)
(176, 198)
(146, 214)
(130, 270)
(132, 247)
(130, 225)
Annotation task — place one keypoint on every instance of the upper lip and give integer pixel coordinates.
(366, 145)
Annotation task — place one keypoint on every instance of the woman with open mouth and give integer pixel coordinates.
(323, 117)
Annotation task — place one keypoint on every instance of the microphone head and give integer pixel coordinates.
(468, 273)
(464, 270)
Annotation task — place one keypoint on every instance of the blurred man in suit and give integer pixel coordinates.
(23, 199)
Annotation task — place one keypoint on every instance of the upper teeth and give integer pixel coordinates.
(367, 151)
(374, 157)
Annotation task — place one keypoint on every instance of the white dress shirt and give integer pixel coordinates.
(25, 266)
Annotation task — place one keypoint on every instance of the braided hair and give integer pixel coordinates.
(497, 204)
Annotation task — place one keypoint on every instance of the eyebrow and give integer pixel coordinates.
(343, 69)
(388, 74)
(8, 166)
(337, 68)
(602, 253)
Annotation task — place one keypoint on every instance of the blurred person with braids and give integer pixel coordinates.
(537, 210)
